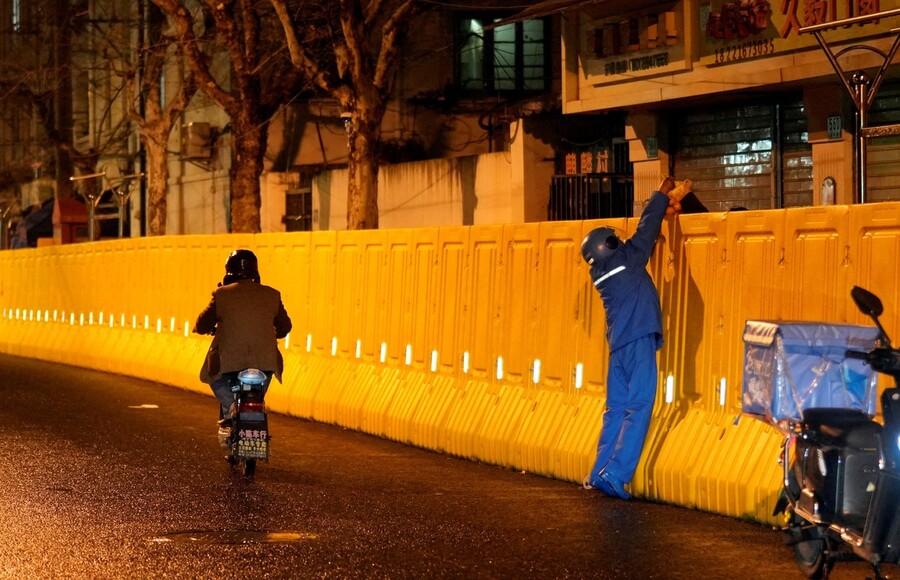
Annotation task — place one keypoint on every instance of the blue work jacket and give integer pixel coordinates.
(629, 296)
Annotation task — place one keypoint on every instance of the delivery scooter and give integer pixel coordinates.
(841, 495)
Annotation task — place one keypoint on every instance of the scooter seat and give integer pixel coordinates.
(835, 422)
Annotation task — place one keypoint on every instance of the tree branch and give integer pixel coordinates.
(393, 35)
(196, 58)
(353, 27)
(300, 56)
(373, 11)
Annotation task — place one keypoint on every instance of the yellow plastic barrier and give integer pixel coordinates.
(486, 342)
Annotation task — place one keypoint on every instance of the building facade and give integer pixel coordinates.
(741, 97)
(567, 110)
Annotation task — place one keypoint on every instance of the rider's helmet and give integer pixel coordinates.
(599, 246)
(241, 265)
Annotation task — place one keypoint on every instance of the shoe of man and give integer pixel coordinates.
(599, 484)
(225, 423)
(611, 485)
(594, 482)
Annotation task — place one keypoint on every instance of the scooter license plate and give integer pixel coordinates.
(252, 442)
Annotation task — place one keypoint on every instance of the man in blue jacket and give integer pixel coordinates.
(634, 334)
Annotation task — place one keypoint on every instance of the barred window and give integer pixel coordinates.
(509, 58)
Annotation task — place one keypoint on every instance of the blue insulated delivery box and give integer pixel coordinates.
(793, 366)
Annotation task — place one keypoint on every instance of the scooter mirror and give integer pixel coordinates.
(867, 302)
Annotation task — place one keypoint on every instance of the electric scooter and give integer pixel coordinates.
(841, 495)
(245, 436)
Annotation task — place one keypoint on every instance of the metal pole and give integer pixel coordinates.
(122, 193)
(92, 200)
(143, 20)
(861, 82)
(778, 155)
(862, 90)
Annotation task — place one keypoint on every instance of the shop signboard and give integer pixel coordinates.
(739, 30)
(640, 44)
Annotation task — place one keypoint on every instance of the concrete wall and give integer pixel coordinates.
(432, 336)
(441, 192)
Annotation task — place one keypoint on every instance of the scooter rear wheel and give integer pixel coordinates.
(812, 555)
(249, 467)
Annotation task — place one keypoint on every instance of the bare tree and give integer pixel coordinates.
(155, 118)
(351, 50)
(259, 81)
(69, 70)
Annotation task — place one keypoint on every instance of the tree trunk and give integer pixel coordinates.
(246, 168)
(157, 183)
(362, 188)
(61, 124)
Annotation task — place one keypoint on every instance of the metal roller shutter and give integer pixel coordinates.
(796, 157)
(883, 176)
(732, 155)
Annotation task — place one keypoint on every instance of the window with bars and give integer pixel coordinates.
(513, 58)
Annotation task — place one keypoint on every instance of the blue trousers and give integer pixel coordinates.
(630, 392)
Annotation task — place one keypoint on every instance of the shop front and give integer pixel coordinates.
(732, 95)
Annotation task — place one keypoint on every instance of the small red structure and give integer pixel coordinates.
(69, 215)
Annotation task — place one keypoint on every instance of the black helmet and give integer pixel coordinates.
(599, 245)
(241, 265)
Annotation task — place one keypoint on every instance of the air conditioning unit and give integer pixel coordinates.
(196, 141)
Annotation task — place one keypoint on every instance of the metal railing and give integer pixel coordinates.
(590, 196)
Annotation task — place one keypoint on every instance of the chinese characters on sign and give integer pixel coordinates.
(589, 161)
(620, 37)
(640, 63)
(822, 11)
(738, 19)
(252, 434)
(253, 444)
(643, 43)
(737, 30)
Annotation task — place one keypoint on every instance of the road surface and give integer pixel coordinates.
(104, 476)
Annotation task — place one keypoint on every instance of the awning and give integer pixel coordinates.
(551, 7)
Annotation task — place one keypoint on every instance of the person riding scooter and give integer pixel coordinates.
(246, 318)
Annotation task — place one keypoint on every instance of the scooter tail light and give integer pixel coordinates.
(251, 407)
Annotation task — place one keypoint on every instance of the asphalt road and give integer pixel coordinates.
(103, 476)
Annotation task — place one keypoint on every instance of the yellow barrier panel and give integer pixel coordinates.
(873, 256)
(465, 418)
(516, 326)
(481, 337)
(574, 450)
(386, 387)
(452, 300)
(485, 342)
(556, 305)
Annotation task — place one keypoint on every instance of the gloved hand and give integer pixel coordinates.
(667, 185)
(676, 194)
